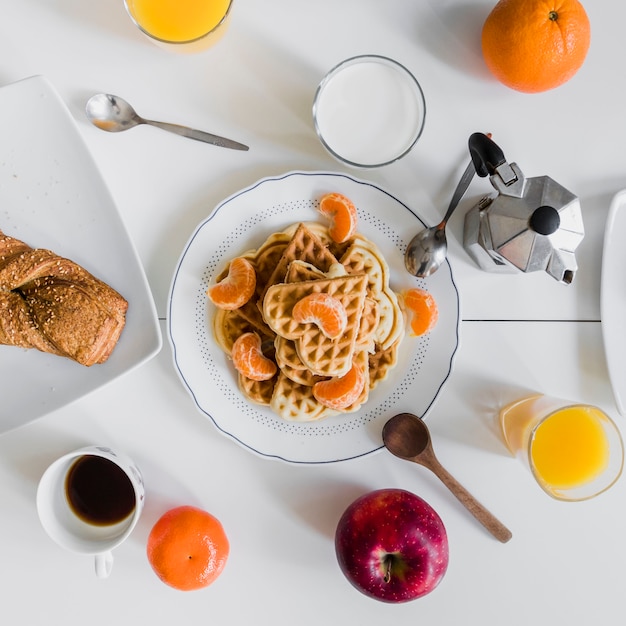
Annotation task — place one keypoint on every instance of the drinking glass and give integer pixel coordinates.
(181, 25)
(369, 111)
(573, 450)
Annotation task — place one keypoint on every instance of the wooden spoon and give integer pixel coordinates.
(407, 437)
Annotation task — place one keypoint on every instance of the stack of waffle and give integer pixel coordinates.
(291, 265)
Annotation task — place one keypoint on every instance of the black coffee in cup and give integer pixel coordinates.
(98, 491)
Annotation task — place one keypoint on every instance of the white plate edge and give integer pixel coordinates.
(614, 351)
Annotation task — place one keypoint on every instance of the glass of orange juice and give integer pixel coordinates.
(574, 451)
(181, 25)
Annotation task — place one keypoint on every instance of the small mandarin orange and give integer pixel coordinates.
(236, 288)
(187, 548)
(342, 214)
(249, 360)
(423, 308)
(340, 392)
(324, 310)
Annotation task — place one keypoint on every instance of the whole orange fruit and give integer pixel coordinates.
(187, 548)
(535, 45)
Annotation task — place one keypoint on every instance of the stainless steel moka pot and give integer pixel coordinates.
(530, 224)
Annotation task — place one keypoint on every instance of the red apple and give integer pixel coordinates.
(392, 546)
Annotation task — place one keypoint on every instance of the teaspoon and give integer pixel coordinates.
(114, 114)
(428, 249)
(406, 436)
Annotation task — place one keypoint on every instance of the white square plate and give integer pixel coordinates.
(53, 196)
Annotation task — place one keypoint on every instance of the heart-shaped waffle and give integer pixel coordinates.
(322, 355)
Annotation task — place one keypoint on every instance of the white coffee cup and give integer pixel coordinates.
(68, 526)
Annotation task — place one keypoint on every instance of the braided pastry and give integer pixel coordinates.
(54, 305)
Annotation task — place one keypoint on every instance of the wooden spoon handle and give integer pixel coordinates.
(485, 517)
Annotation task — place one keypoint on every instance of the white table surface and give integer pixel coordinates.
(518, 333)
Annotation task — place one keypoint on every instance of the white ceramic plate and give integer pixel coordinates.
(53, 196)
(613, 298)
(243, 222)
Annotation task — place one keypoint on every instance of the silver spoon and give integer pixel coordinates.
(114, 114)
(406, 436)
(428, 249)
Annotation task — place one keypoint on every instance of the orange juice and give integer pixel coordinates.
(178, 21)
(574, 451)
(570, 448)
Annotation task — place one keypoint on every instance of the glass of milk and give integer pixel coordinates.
(369, 111)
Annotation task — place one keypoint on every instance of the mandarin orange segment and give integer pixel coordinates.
(187, 548)
(423, 309)
(339, 393)
(249, 359)
(233, 291)
(342, 215)
(535, 45)
(323, 310)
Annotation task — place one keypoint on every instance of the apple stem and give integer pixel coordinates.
(388, 562)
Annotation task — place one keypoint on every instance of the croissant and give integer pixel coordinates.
(52, 304)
